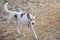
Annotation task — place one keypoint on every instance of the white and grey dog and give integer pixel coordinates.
(24, 19)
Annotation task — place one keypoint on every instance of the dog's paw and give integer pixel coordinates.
(23, 34)
(35, 37)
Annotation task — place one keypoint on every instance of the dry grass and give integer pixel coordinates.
(47, 20)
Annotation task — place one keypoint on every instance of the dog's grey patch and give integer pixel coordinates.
(22, 14)
(15, 16)
(28, 16)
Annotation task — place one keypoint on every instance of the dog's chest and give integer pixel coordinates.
(24, 20)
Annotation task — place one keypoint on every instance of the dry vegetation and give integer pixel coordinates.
(47, 20)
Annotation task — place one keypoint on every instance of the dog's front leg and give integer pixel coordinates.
(22, 32)
(18, 29)
(33, 32)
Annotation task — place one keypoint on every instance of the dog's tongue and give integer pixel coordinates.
(28, 26)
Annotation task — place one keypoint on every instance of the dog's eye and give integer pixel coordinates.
(33, 19)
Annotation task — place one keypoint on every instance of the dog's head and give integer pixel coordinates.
(31, 19)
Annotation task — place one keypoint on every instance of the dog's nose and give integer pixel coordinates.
(33, 23)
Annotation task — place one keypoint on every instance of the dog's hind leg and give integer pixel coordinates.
(22, 31)
(10, 19)
(17, 27)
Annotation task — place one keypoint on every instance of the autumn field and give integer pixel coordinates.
(47, 24)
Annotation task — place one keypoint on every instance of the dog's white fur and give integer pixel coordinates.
(23, 20)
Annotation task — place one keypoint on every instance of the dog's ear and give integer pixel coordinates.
(5, 1)
(34, 15)
(28, 16)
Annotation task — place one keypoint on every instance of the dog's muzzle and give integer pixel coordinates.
(32, 23)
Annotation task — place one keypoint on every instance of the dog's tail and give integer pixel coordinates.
(6, 9)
